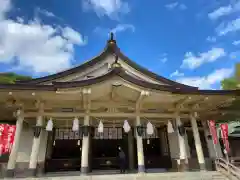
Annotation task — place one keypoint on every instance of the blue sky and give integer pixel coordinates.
(192, 42)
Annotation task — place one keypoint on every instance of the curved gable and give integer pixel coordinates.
(101, 64)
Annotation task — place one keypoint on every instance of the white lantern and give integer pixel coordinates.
(75, 126)
(18, 112)
(49, 126)
(126, 126)
(100, 127)
(170, 127)
(150, 129)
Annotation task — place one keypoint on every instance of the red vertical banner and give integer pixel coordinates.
(7, 133)
(224, 132)
(11, 134)
(1, 138)
(213, 131)
(5, 139)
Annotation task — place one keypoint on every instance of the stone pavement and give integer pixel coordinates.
(208, 175)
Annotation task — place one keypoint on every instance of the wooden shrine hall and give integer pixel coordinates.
(77, 120)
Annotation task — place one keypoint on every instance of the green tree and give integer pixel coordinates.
(232, 82)
(11, 78)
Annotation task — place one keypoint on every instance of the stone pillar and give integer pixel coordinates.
(197, 140)
(32, 171)
(183, 160)
(85, 148)
(130, 150)
(14, 152)
(140, 153)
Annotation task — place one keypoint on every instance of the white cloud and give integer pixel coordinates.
(225, 10)
(176, 5)
(211, 39)
(163, 60)
(37, 47)
(123, 27)
(177, 74)
(45, 12)
(236, 42)
(118, 29)
(207, 82)
(225, 28)
(110, 8)
(5, 6)
(163, 57)
(193, 61)
(73, 36)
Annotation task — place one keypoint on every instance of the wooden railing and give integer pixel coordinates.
(227, 169)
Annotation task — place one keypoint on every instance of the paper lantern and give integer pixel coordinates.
(126, 126)
(75, 126)
(170, 127)
(49, 126)
(150, 129)
(100, 127)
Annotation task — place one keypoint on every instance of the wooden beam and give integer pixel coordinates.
(140, 99)
(181, 102)
(104, 114)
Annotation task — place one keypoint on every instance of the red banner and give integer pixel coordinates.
(224, 132)
(7, 133)
(11, 134)
(2, 126)
(213, 131)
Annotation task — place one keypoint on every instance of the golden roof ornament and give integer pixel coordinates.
(116, 63)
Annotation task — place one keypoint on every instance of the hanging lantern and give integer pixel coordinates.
(170, 127)
(150, 129)
(78, 142)
(148, 141)
(100, 127)
(181, 130)
(18, 112)
(49, 126)
(75, 126)
(140, 130)
(126, 126)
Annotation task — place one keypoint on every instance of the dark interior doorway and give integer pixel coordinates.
(105, 149)
(65, 150)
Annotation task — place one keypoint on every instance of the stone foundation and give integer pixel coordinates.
(22, 170)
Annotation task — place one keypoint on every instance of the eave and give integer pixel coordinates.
(117, 72)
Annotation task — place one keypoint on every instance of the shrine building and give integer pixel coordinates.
(77, 119)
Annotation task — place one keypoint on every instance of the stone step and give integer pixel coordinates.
(209, 175)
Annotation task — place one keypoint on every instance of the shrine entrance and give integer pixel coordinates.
(65, 150)
(105, 148)
(156, 149)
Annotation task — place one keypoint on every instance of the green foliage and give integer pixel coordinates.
(11, 78)
(232, 82)
(229, 83)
